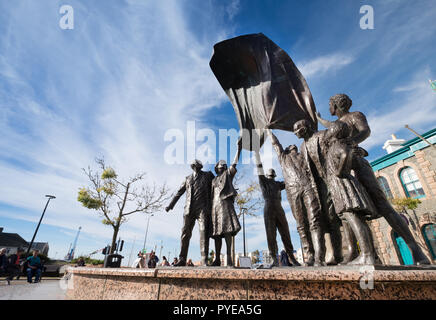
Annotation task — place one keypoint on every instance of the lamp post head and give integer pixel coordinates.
(50, 196)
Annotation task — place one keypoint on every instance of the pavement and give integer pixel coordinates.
(47, 289)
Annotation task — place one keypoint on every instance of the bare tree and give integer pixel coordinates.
(248, 201)
(249, 198)
(115, 199)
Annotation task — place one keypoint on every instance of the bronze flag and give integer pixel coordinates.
(263, 84)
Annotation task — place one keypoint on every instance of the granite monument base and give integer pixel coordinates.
(287, 283)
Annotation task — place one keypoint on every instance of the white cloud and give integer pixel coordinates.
(325, 64)
(110, 87)
(414, 106)
(233, 8)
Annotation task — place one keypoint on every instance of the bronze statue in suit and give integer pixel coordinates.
(197, 207)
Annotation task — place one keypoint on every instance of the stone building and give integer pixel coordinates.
(408, 171)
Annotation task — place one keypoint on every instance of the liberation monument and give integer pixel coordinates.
(329, 184)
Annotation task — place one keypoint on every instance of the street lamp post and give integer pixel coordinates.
(39, 223)
(243, 229)
(146, 231)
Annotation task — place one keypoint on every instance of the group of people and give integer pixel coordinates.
(329, 183)
(210, 201)
(13, 266)
(144, 260)
(152, 261)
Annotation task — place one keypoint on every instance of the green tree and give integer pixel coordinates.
(115, 199)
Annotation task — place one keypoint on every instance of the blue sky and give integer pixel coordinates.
(131, 70)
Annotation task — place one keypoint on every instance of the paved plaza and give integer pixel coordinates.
(47, 289)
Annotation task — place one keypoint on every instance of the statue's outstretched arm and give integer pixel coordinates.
(176, 198)
(238, 153)
(259, 165)
(324, 122)
(275, 142)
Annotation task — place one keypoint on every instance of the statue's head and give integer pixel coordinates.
(220, 167)
(303, 129)
(196, 165)
(271, 174)
(340, 104)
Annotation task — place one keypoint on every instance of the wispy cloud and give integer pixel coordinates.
(233, 8)
(110, 87)
(415, 105)
(325, 64)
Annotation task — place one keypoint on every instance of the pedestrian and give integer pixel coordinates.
(164, 262)
(80, 262)
(34, 267)
(152, 260)
(175, 261)
(135, 263)
(284, 259)
(3, 260)
(13, 268)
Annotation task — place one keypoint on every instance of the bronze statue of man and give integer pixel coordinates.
(304, 200)
(340, 105)
(197, 207)
(274, 215)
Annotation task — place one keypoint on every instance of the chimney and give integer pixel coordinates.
(394, 144)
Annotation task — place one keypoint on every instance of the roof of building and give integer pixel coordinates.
(12, 240)
(39, 246)
(407, 151)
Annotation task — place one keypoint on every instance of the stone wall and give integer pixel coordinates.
(292, 283)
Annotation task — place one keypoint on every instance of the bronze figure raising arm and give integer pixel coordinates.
(275, 142)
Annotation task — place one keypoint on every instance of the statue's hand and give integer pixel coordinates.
(239, 142)
(318, 115)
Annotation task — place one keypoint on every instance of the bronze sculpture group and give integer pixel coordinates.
(328, 182)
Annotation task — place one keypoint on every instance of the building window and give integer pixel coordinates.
(411, 184)
(385, 187)
(429, 233)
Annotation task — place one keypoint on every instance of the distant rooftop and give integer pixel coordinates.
(14, 240)
(406, 151)
(11, 240)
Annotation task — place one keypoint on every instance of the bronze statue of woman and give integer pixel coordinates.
(350, 199)
(225, 223)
